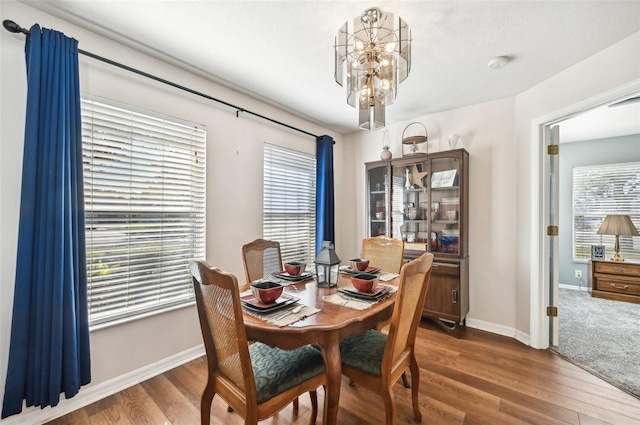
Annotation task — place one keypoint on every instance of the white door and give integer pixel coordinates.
(553, 138)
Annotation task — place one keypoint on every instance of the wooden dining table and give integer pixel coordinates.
(324, 329)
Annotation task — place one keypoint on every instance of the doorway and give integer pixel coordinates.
(540, 282)
(581, 319)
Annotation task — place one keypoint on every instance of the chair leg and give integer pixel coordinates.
(405, 381)
(314, 406)
(389, 406)
(205, 404)
(415, 382)
(295, 403)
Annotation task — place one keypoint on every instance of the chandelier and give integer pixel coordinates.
(372, 60)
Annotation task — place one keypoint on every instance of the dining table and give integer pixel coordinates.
(324, 329)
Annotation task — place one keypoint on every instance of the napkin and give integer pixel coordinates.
(347, 301)
(385, 277)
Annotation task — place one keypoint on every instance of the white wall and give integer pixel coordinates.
(234, 185)
(487, 133)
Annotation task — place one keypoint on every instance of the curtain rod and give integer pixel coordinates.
(11, 26)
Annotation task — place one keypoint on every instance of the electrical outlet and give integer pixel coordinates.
(578, 274)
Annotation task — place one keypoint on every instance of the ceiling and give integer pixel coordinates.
(281, 52)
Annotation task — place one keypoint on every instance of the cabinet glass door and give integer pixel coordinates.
(445, 205)
(410, 205)
(378, 190)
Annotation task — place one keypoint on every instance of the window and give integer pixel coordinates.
(289, 210)
(144, 181)
(600, 190)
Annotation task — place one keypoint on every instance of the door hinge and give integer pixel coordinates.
(552, 230)
(552, 311)
(553, 149)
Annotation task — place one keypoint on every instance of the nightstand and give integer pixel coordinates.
(615, 280)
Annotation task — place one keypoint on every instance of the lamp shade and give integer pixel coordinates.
(615, 224)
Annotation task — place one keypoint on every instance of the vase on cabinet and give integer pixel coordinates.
(386, 142)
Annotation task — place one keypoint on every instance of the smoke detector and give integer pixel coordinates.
(498, 62)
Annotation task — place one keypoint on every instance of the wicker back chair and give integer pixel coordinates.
(376, 360)
(261, 258)
(383, 252)
(255, 380)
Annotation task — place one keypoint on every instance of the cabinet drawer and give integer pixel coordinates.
(618, 268)
(617, 286)
(445, 269)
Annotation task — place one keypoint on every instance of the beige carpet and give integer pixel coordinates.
(601, 336)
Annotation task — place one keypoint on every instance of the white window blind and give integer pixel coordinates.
(599, 190)
(289, 210)
(144, 181)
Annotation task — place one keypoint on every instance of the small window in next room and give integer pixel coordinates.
(144, 182)
(599, 190)
(289, 205)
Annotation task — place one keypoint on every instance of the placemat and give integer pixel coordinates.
(276, 318)
(355, 303)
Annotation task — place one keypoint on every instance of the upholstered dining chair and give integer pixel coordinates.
(256, 380)
(383, 252)
(261, 258)
(376, 360)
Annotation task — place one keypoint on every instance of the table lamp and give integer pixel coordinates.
(617, 225)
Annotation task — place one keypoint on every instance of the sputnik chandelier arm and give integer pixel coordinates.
(371, 61)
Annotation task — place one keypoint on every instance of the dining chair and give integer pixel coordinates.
(376, 360)
(383, 252)
(255, 380)
(261, 258)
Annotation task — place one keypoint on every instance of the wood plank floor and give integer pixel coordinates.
(481, 378)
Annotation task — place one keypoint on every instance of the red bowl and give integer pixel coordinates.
(294, 268)
(359, 264)
(266, 292)
(365, 282)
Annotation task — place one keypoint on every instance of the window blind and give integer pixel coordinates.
(144, 181)
(289, 202)
(599, 190)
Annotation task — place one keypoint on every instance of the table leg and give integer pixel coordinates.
(331, 354)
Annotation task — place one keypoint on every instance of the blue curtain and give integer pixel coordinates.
(325, 214)
(49, 348)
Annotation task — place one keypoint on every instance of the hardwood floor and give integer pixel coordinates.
(480, 378)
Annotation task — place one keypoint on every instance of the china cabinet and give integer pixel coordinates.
(423, 199)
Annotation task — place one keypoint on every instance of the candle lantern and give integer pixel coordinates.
(327, 266)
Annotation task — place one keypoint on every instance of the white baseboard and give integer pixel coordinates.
(522, 337)
(498, 329)
(86, 396)
(491, 327)
(572, 287)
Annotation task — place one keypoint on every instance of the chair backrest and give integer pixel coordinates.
(410, 299)
(383, 252)
(261, 258)
(222, 325)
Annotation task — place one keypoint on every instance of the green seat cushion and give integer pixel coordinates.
(364, 351)
(277, 370)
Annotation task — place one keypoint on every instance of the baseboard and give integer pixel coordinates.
(491, 327)
(35, 416)
(572, 287)
(522, 337)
